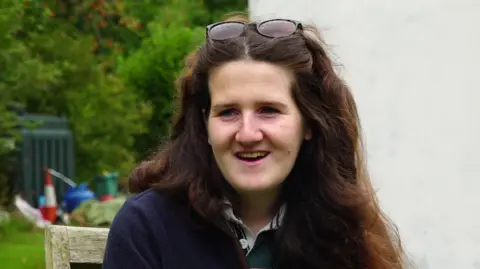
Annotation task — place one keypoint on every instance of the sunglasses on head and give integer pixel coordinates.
(271, 28)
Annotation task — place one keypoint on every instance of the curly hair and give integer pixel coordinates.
(333, 219)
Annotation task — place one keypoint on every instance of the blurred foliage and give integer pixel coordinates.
(107, 65)
(152, 71)
(176, 27)
(51, 68)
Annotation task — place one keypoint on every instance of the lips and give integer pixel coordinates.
(251, 156)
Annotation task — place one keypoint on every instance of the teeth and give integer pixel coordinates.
(252, 154)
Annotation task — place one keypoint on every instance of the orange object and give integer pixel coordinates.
(106, 197)
(50, 208)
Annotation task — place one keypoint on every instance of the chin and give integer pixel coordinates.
(254, 183)
(250, 188)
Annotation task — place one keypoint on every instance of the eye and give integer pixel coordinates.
(268, 110)
(227, 113)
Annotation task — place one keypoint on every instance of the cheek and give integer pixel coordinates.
(219, 135)
(209, 129)
(289, 133)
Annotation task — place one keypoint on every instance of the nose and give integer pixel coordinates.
(249, 132)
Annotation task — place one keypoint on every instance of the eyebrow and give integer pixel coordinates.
(219, 107)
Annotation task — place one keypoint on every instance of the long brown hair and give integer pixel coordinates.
(333, 220)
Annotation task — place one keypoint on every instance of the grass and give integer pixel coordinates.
(21, 245)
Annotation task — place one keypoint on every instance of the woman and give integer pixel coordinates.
(264, 167)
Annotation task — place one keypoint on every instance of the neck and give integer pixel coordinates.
(257, 210)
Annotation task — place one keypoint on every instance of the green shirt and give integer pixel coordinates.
(261, 256)
(258, 248)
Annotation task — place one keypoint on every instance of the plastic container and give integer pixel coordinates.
(76, 195)
(106, 185)
(41, 201)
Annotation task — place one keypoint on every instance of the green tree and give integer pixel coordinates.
(151, 71)
(49, 66)
(104, 115)
(17, 67)
(176, 27)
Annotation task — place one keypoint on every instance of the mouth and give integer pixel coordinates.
(252, 156)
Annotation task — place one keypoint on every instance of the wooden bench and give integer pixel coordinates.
(68, 247)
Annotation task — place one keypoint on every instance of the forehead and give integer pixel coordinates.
(246, 79)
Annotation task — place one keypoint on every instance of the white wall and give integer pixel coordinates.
(414, 67)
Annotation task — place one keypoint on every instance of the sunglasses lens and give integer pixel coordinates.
(277, 28)
(226, 30)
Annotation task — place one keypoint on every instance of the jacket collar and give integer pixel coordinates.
(274, 224)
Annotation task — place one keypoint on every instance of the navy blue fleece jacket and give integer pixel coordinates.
(149, 232)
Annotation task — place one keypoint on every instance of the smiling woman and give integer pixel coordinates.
(264, 167)
(255, 130)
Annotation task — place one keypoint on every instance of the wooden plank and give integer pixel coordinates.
(57, 255)
(87, 245)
